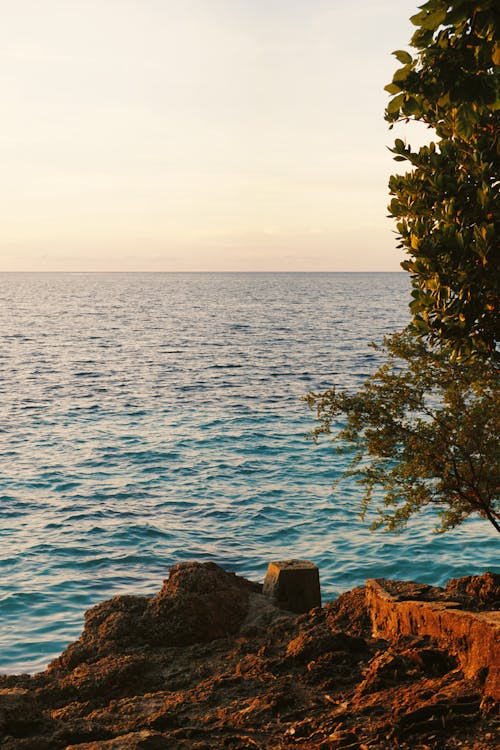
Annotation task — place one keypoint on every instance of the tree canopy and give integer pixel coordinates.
(447, 205)
(424, 431)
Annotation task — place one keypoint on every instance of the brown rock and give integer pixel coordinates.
(341, 739)
(18, 711)
(144, 740)
(473, 637)
(112, 627)
(349, 613)
(307, 646)
(198, 603)
(131, 683)
(105, 676)
(477, 592)
(393, 667)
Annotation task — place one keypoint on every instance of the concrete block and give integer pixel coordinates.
(293, 585)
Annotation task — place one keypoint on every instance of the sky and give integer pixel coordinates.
(198, 135)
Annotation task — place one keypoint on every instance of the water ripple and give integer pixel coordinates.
(147, 419)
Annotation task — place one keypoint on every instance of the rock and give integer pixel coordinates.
(436, 715)
(198, 603)
(113, 626)
(308, 646)
(262, 613)
(18, 711)
(349, 613)
(146, 674)
(341, 739)
(477, 592)
(392, 668)
(110, 674)
(473, 637)
(293, 585)
(302, 728)
(144, 740)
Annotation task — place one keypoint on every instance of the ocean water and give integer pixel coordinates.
(151, 418)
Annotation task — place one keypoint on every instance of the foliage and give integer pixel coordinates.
(447, 206)
(424, 430)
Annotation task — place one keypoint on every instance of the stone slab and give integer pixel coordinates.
(473, 637)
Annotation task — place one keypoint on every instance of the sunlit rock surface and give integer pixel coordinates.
(209, 662)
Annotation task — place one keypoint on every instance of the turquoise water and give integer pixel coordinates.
(152, 418)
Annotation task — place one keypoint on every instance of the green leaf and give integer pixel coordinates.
(464, 123)
(392, 88)
(418, 18)
(444, 195)
(401, 74)
(412, 106)
(429, 20)
(402, 56)
(395, 104)
(421, 38)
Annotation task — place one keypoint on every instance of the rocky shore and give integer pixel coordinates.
(210, 662)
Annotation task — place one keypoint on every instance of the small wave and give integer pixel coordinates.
(153, 430)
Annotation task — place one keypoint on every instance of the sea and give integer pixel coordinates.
(147, 419)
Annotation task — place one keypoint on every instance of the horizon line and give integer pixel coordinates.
(97, 271)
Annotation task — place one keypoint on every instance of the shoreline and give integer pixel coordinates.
(211, 662)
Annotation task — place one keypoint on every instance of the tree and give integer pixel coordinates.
(424, 430)
(447, 206)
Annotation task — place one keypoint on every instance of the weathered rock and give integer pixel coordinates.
(392, 667)
(106, 676)
(345, 739)
(112, 627)
(293, 585)
(132, 681)
(262, 613)
(144, 740)
(307, 646)
(350, 614)
(18, 711)
(477, 592)
(473, 637)
(198, 603)
(436, 715)
(301, 729)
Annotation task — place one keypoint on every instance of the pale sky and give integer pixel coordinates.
(197, 135)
